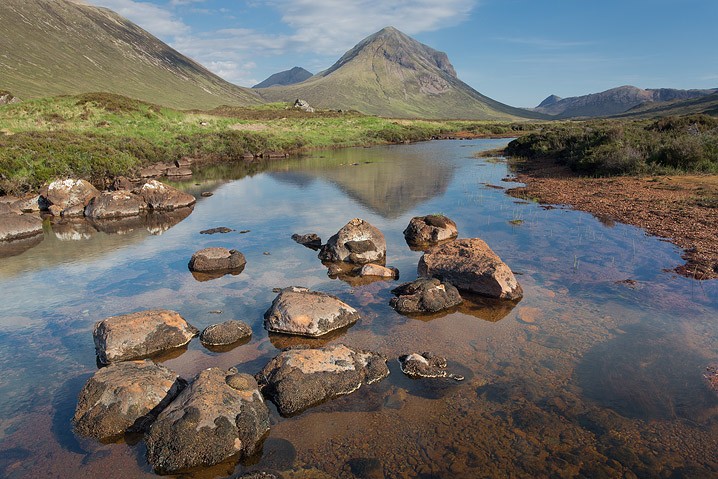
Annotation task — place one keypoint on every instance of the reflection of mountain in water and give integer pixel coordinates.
(387, 187)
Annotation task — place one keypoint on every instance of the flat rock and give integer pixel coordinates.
(140, 335)
(425, 295)
(162, 197)
(371, 269)
(124, 397)
(225, 333)
(469, 264)
(212, 231)
(425, 365)
(297, 379)
(216, 260)
(297, 310)
(115, 204)
(311, 240)
(28, 204)
(14, 226)
(430, 229)
(67, 193)
(357, 242)
(221, 414)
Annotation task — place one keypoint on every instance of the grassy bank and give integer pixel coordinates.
(687, 144)
(98, 136)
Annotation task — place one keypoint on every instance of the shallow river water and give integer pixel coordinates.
(590, 375)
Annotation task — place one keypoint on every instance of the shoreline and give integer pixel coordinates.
(682, 209)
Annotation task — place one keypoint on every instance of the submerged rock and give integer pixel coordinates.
(68, 193)
(161, 197)
(469, 264)
(220, 229)
(124, 397)
(297, 310)
(430, 229)
(426, 365)
(711, 378)
(371, 269)
(300, 378)
(16, 226)
(217, 260)
(425, 295)
(225, 333)
(219, 415)
(357, 242)
(140, 335)
(311, 240)
(115, 204)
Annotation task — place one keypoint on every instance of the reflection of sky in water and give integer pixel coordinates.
(53, 294)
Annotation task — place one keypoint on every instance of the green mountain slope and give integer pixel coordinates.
(54, 47)
(287, 77)
(391, 74)
(707, 105)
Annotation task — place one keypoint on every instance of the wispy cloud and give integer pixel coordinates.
(544, 43)
(155, 19)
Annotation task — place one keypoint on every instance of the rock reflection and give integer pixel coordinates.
(486, 309)
(17, 247)
(73, 229)
(284, 341)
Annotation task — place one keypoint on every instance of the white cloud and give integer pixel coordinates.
(156, 20)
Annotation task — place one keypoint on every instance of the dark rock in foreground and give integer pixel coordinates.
(311, 240)
(300, 378)
(217, 260)
(219, 415)
(430, 229)
(140, 335)
(357, 242)
(425, 365)
(297, 310)
(425, 295)
(225, 333)
(469, 264)
(124, 397)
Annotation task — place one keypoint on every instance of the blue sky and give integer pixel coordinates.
(515, 51)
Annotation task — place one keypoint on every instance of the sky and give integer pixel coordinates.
(514, 51)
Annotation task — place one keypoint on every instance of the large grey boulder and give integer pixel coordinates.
(217, 260)
(297, 310)
(162, 197)
(140, 335)
(68, 196)
(14, 226)
(219, 415)
(357, 242)
(297, 379)
(124, 397)
(470, 265)
(430, 230)
(115, 204)
(425, 295)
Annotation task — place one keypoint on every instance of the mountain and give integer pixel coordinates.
(391, 74)
(54, 47)
(706, 105)
(287, 77)
(613, 102)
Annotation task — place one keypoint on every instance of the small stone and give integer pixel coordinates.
(217, 260)
(225, 333)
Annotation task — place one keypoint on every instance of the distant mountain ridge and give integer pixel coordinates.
(391, 74)
(55, 47)
(286, 77)
(614, 101)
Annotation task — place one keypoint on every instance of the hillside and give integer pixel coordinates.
(613, 102)
(706, 104)
(390, 74)
(53, 47)
(287, 77)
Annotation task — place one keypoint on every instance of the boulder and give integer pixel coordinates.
(217, 260)
(225, 333)
(297, 310)
(9, 207)
(140, 335)
(124, 397)
(426, 365)
(64, 194)
(371, 269)
(297, 379)
(425, 295)
(161, 197)
(303, 105)
(178, 171)
(357, 242)
(115, 204)
(28, 204)
(311, 240)
(429, 230)
(469, 264)
(14, 226)
(219, 415)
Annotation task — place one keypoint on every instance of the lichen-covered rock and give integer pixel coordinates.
(115, 204)
(16, 226)
(126, 396)
(430, 229)
(219, 415)
(225, 333)
(161, 197)
(140, 335)
(371, 269)
(425, 295)
(297, 379)
(311, 240)
(426, 365)
(297, 310)
(217, 260)
(64, 194)
(470, 265)
(357, 242)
